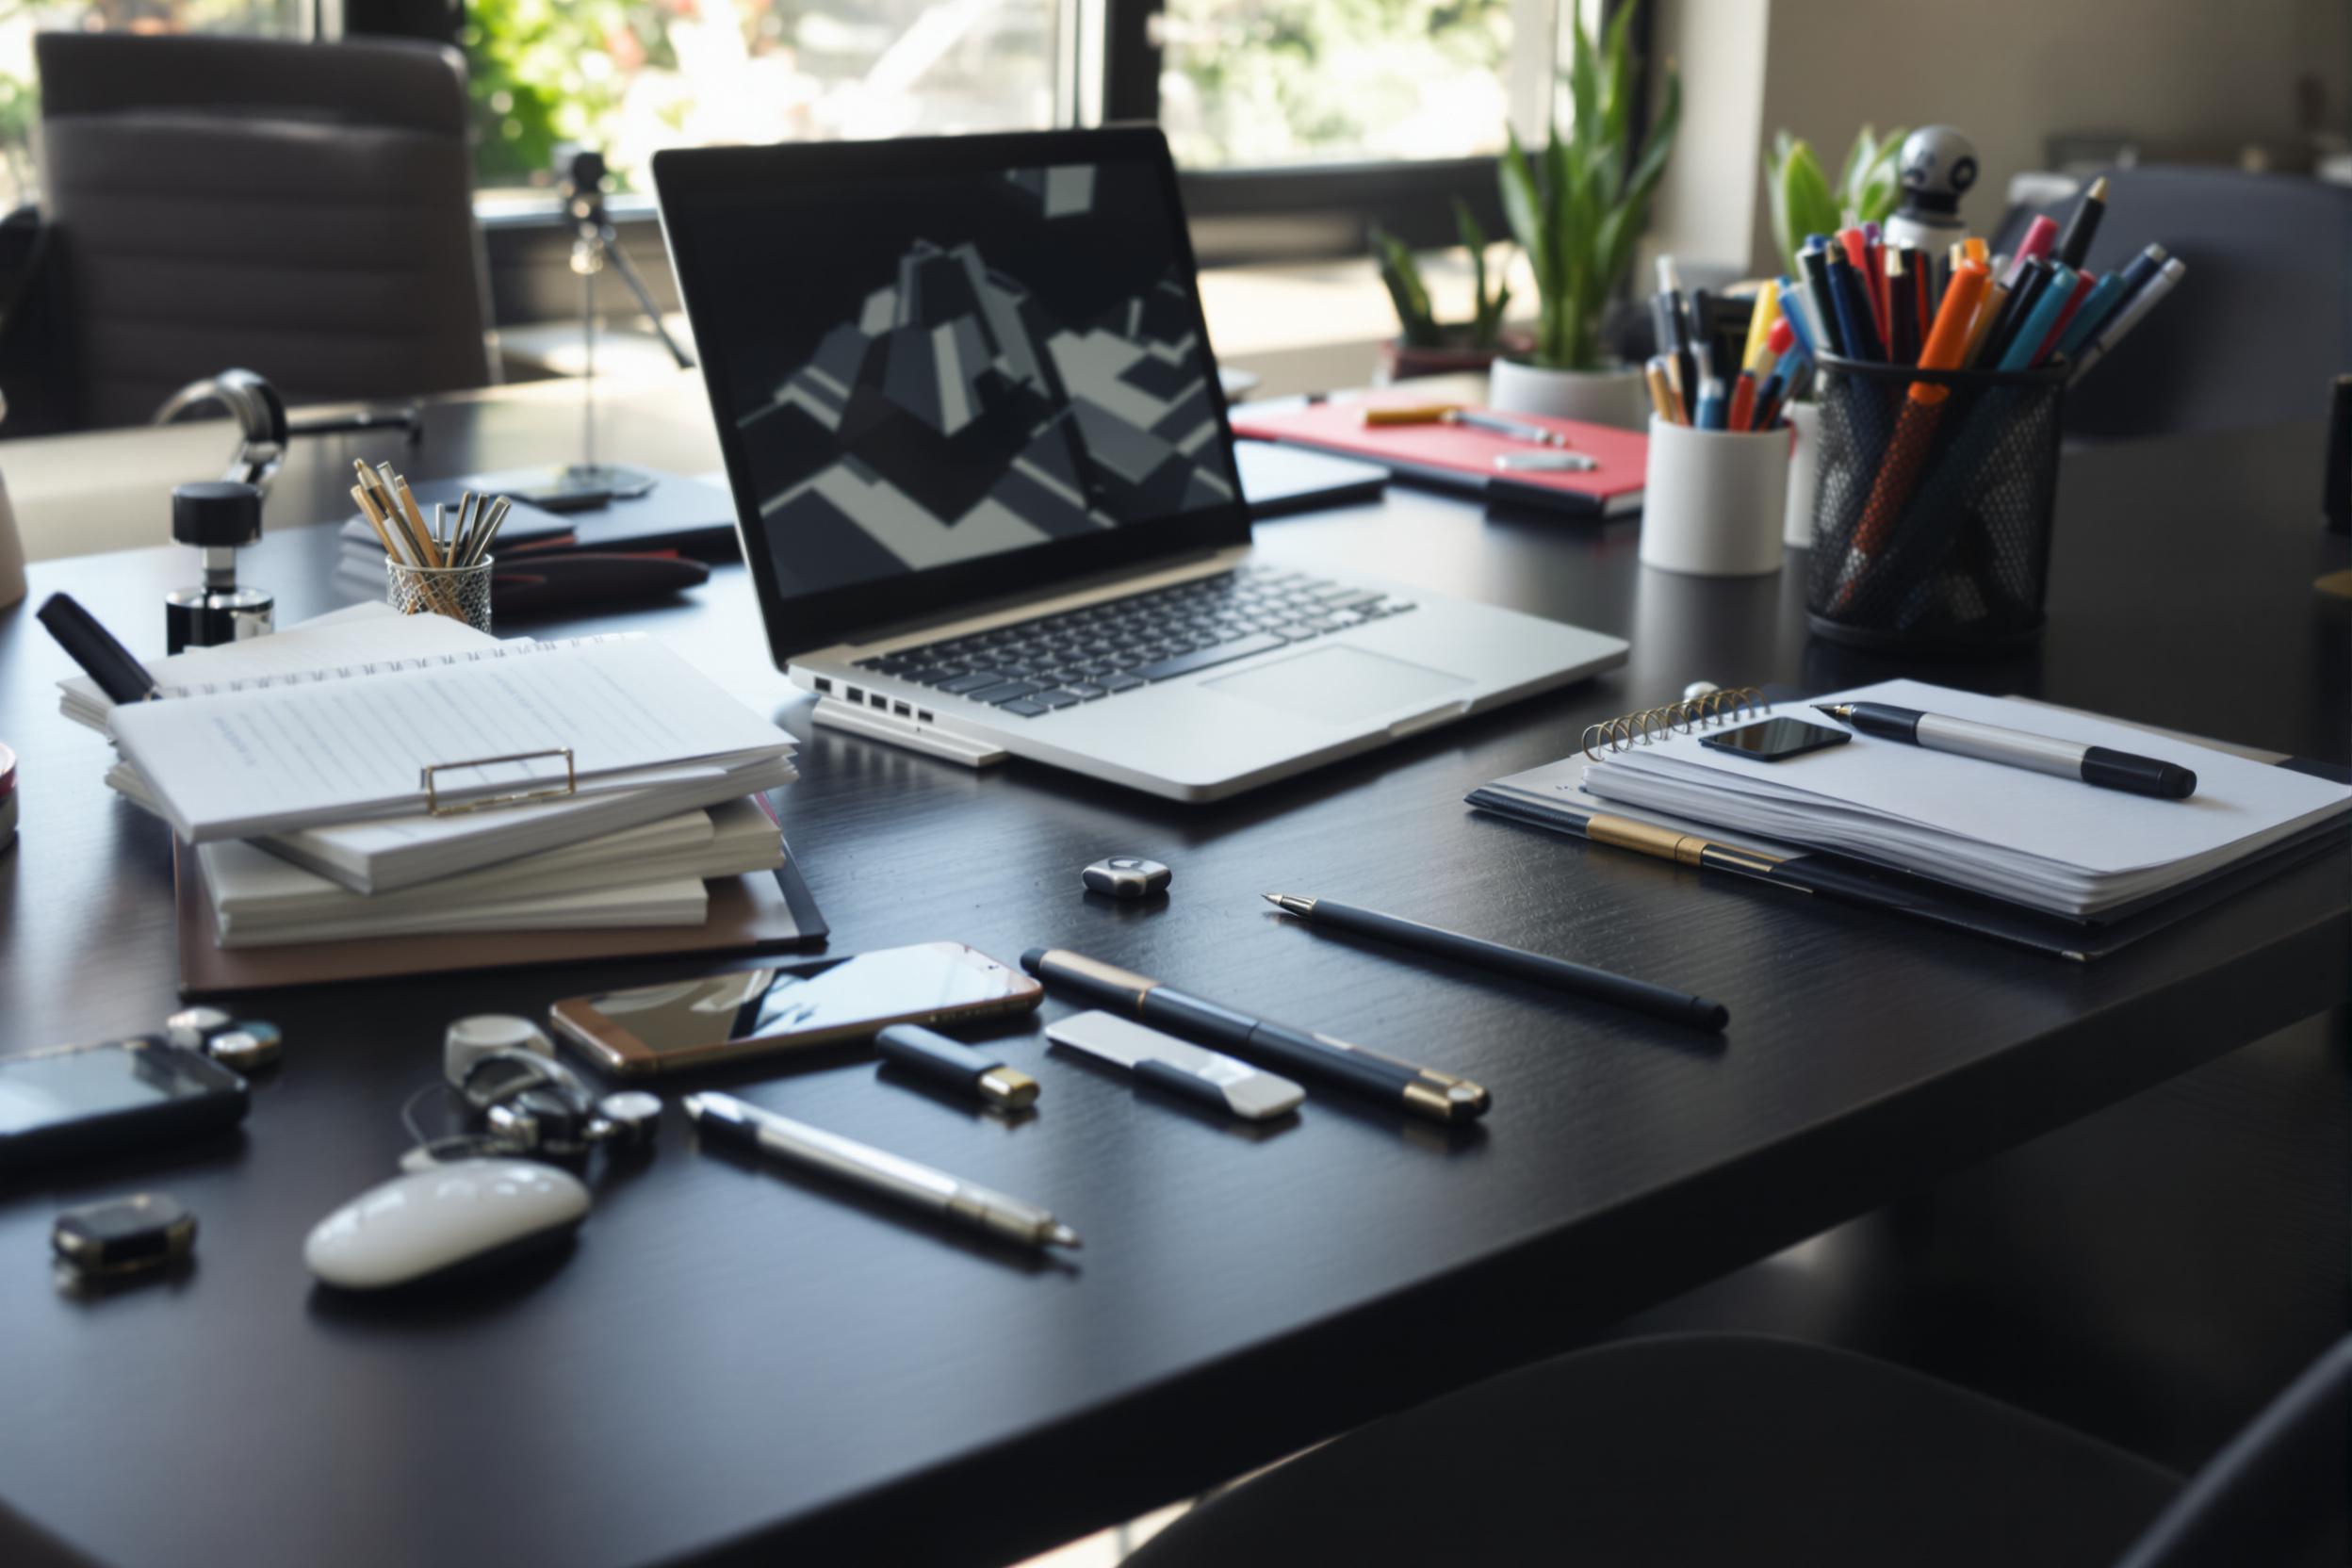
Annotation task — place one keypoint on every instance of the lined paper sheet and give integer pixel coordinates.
(245, 763)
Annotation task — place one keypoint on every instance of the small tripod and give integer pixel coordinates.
(593, 245)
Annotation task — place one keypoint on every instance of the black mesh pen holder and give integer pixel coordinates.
(1931, 524)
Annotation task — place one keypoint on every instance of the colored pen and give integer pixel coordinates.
(2129, 312)
(2040, 234)
(1662, 400)
(2024, 295)
(2075, 243)
(1418, 1090)
(1855, 326)
(1813, 261)
(1903, 339)
(1703, 336)
(2101, 765)
(1454, 413)
(117, 671)
(1641, 995)
(2083, 284)
(1762, 315)
(1987, 311)
(2040, 321)
(1713, 407)
(1743, 401)
(1797, 316)
(2085, 321)
(1686, 363)
(724, 1118)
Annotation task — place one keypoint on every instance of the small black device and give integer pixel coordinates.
(1127, 877)
(115, 1094)
(1776, 740)
(218, 518)
(123, 1235)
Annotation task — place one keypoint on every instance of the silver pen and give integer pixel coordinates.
(732, 1120)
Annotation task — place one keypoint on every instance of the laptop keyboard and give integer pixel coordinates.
(1033, 667)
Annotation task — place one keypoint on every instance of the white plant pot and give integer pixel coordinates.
(1618, 398)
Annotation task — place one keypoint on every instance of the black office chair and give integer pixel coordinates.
(301, 210)
(1722, 1448)
(2261, 321)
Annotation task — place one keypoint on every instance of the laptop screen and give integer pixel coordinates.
(940, 377)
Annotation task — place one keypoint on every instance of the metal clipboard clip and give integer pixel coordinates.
(436, 805)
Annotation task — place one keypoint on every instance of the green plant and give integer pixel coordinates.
(1415, 318)
(1804, 201)
(1580, 209)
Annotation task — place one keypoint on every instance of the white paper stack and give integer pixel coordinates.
(293, 762)
(2047, 842)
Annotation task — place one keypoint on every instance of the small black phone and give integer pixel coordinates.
(131, 1093)
(1776, 740)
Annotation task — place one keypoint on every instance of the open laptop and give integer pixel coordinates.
(986, 488)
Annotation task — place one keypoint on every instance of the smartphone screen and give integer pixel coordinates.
(1776, 740)
(51, 1088)
(833, 999)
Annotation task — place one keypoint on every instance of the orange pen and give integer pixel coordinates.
(1899, 471)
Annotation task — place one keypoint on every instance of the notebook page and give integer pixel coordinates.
(2063, 822)
(357, 634)
(240, 764)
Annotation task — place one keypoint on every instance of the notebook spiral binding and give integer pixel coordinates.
(1723, 705)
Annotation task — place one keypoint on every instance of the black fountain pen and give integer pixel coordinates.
(1418, 1090)
(2016, 748)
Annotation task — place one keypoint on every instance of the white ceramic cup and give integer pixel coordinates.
(1804, 456)
(1713, 501)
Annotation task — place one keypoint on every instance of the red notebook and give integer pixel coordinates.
(1461, 457)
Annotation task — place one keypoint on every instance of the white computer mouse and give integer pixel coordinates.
(413, 1227)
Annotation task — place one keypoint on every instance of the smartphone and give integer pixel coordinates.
(754, 1012)
(112, 1095)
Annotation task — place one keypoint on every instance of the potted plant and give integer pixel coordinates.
(1424, 346)
(1577, 210)
(1804, 201)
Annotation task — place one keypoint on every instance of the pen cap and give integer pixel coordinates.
(215, 511)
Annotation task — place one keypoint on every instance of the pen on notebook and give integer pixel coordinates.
(2101, 765)
(117, 671)
(1417, 1090)
(1560, 973)
(725, 1119)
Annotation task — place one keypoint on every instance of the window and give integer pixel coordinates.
(1253, 83)
(20, 88)
(631, 77)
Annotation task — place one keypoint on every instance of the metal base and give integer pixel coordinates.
(207, 617)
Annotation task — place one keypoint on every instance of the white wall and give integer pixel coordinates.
(2190, 78)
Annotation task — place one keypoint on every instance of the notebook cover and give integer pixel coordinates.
(756, 913)
(1462, 457)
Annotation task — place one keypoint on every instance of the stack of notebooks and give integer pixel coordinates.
(2051, 862)
(590, 785)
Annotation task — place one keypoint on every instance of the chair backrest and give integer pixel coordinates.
(2277, 1493)
(303, 210)
(2261, 321)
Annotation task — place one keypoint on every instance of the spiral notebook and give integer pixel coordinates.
(2048, 862)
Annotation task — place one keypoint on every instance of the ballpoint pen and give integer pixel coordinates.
(1452, 414)
(2075, 243)
(2101, 765)
(1560, 973)
(117, 671)
(1418, 1090)
(725, 1119)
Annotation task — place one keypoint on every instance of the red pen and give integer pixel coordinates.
(1743, 401)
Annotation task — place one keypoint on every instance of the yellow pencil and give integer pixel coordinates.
(1760, 319)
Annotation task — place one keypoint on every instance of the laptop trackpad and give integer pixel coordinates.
(1340, 682)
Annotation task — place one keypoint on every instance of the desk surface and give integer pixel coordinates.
(733, 1363)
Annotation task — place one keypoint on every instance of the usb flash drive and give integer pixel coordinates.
(936, 1056)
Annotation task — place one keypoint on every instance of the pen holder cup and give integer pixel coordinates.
(1932, 514)
(461, 592)
(1713, 501)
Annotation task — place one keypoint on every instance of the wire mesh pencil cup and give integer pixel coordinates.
(461, 592)
(1932, 519)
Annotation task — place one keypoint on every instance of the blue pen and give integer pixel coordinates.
(2138, 275)
(2094, 307)
(1799, 319)
(1714, 413)
(2047, 306)
(1855, 324)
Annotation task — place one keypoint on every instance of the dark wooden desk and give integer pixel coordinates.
(731, 1364)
